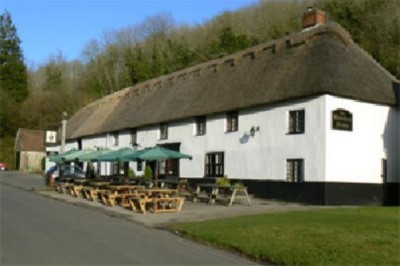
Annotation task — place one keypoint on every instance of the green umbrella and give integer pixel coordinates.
(158, 153)
(92, 156)
(75, 155)
(117, 155)
(59, 157)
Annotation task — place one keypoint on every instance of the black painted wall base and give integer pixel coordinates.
(327, 193)
(320, 193)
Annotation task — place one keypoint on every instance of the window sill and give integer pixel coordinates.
(295, 133)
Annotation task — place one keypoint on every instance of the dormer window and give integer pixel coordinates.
(296, 122)
(200, 125)
(115, 139)
(232, 121)
(133, 134)
(163, 131)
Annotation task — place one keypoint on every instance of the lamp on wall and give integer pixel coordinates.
(253, 130)
(135, 145)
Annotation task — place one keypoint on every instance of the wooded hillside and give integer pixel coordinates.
(158, 45)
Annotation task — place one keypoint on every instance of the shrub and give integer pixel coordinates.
(148, 173)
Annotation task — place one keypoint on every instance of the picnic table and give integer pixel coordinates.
(181, 185)
(213, 192)
(68, 184)
(112, 193)
(65, 185)
(78, 185)
(158, 199)
(91, 192)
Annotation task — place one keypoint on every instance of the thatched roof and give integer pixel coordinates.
(323, 60)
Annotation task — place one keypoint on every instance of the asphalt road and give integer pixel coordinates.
(37, 230)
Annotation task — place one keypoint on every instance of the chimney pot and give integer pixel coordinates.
(313, 17)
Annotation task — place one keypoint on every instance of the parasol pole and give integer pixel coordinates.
(156, 174)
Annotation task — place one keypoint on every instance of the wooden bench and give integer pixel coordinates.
(91, 193)
(111, 197)
(159, 205)
(214, 192)
(239, 193)
(64, 187)
(139, 202)
(168, 204)
(76, 190)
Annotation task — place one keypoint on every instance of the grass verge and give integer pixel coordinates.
(342, 236)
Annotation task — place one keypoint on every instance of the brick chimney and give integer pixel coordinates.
(313, 17)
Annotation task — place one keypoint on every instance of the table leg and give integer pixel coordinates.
(196, 194)
(232, 197)
(213, 196)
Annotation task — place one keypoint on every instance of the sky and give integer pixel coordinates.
(47, 27)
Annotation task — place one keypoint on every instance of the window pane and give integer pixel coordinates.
(232, 123)
(294, 170)
(214, 164)
(164, 131)
(296, 121)
(201, 125)
(133, 136)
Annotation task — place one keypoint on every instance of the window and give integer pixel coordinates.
(133, 134)
(139, 165)
(163, 131)
(214, 164)
(295, 170)
(115, 139)
(296, 122)
(201, 125)
(232, 121)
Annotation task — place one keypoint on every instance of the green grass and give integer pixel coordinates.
(341, 236)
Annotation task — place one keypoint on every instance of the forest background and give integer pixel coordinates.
(35, 98)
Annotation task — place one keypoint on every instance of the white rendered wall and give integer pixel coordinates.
(260, 157)
(329, 155)
(356, 156)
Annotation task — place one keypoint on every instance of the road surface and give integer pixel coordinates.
(36, 230)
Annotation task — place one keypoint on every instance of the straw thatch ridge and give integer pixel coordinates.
(318, 61)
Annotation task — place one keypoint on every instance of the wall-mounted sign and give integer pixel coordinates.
(342, 120)
(51, 136)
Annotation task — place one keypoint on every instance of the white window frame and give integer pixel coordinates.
(115, 138)
(296, 122)
(199, 121)
(295, 170)
(163, 131)
(229, 126)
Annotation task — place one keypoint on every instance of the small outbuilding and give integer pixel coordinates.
(29, 150)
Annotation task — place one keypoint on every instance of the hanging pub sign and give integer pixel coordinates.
(51, 137)
(342, 120)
